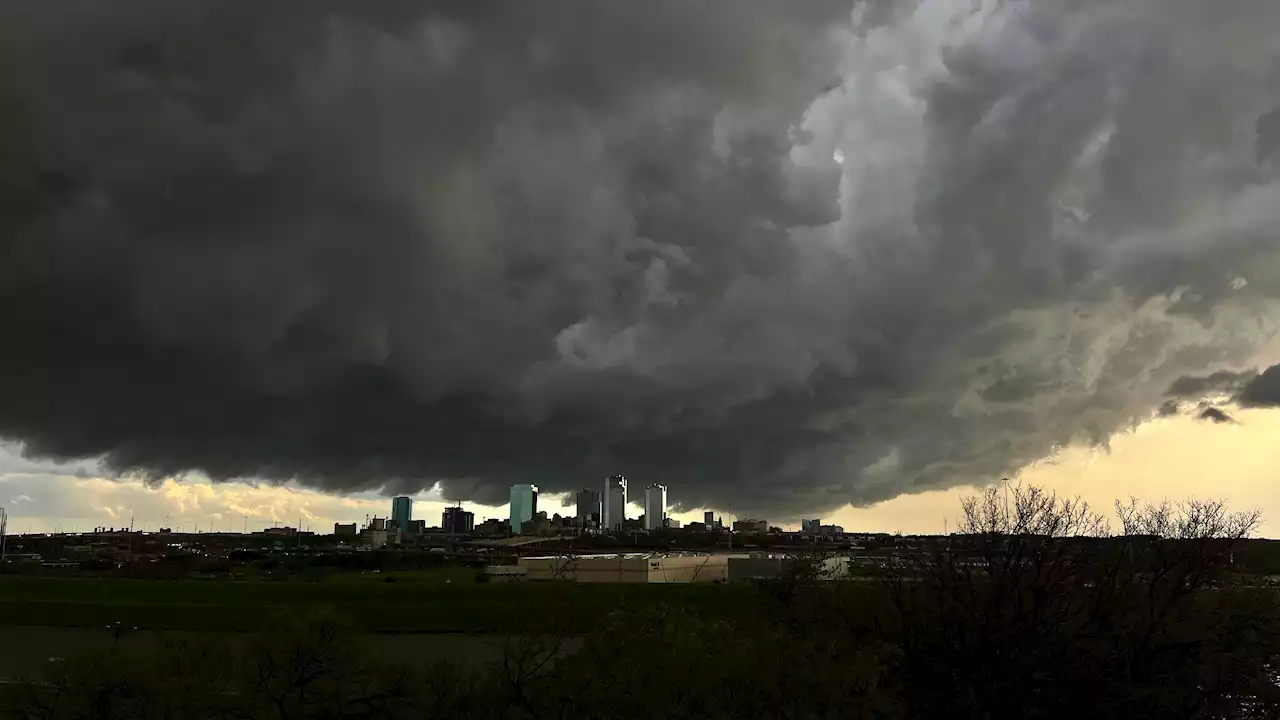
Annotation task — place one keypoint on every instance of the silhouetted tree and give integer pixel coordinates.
(1035, 608)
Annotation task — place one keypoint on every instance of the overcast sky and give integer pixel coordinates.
(789, 256)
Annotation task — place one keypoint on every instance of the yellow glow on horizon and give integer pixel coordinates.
(1174, 458)
(1168, 459)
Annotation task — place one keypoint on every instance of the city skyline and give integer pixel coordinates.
(640, 358)
(1172, 458)
(587, 297)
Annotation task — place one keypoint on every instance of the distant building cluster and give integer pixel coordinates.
(596, 542)
(600, 511)
(380, 532)
(457, 521)
(604, 512)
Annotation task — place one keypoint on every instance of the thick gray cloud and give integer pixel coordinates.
(1263, 390)
(1225, 381)
(1215, 415)
(1248, 389)
(784, 255)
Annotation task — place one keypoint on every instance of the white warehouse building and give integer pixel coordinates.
(628, 568)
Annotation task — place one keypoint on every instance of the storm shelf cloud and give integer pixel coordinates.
(782, 255)
(1250, 389)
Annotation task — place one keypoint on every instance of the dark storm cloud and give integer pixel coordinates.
(1248, 389)
(1194, 388)
(1215, 415)
(1263, 390)
(1268, 129)
(395, 243)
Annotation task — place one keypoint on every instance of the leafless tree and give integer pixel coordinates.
(1035, 602)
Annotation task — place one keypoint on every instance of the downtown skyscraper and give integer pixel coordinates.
(402, 512)
(588, 508)
(655, 506)
(457, 521)
(615, 502)
(524, 505)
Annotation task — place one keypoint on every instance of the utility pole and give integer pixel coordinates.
(4, 526)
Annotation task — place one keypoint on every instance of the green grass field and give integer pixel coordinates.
(435, 601)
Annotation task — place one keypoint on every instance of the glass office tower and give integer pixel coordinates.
(655, 506)
(524, 505)
(402, 512)
(588, 502)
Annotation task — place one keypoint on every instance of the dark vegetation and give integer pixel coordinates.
(440, 601)
(1037, 610)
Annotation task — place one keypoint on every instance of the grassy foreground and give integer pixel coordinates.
(436, 601)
